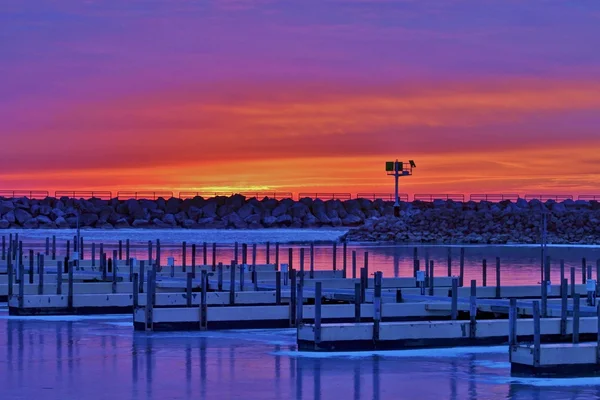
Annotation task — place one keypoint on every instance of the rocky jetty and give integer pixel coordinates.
(440, 221)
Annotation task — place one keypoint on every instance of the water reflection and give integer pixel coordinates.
(99, 359)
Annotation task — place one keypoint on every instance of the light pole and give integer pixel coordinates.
(398, 169)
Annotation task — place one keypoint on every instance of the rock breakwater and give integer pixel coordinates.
(440, 221)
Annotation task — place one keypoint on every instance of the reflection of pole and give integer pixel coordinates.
(396, 177)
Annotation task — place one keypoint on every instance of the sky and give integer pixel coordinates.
(487, 96)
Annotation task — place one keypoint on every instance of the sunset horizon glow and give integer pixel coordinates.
(301, 97)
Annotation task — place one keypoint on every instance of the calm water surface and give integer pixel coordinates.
(102, 358)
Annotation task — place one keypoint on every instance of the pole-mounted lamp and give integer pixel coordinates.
(398, 169)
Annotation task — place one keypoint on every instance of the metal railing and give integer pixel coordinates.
(326, 196)
(588, 197)
(149, 195)
(270, 195)
(75, 194)
(432, 197)
(546, 197)
(494, 197)
(30, 194)
(204, 195)
(382, 196)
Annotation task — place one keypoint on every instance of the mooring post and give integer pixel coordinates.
(70, 293)
(544, 299)
(357, 301)
(41, 274)
(21, 297)
(214, 256)
(150, 294)
(268, 253)
(103, 267)
(81, 249)
(583, 269)
(363, 286)
(278, 287)
(415, 262)
(286, 274)
(512, 324)
(142, 272)
(53, 247)
(31, 262)
(449, 261)
(232, 282)
(205, 254)
(547, 264)
(93, 254)
(572, 282)
(149, 253)
(317, 313)
(127, 251)
(299, 299)
(427, 260)
(345, 260)
(366, 269)
(484, 273)
(242, 276)
(353, 264)
(431, 276)
(562, 276)
(244, 253)
(377, 306)
(591, 288)
(220, 277)
(473, 310)
(171, 263)
(290, 258)
(576, 300)
(334, 258)
(120, 251)
(59, 277)
(194, 260)
(454, 312)
(235, 252)
(136, 292)
(536, 334)
(254, 257)
(47, 247)
(302, 261)
(563, 307)
(276, 256)
(203, 302)
(462, 267)
(132, 265)
(114, 276)
(498, 284)
(184, 257)
(9, 271)
(158, 262)
(188, 289)
(312, 261)
(293, 299)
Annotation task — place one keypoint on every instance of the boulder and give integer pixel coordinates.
(194, 213)
(10, 217)
(122, 223)
(61, 223)
(22, 216)
(170, 220)
(31, 224)
(180, 217)
(6, 206)
(88, 219)
(352, 220)
(134, 209)
(141, 223)
(172, 205)
(4, 224)
(210, 209)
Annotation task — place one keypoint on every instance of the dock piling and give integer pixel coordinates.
(299, 298)
(194, 260)
(544, 299)
(103, 266)
(59, 277)
(563, 307)
(598, 278)
(150, 296)
(253, 256)
(47, 247)
(415, 261)
(576, 315)
(377, 306)
(590, 288)
(302, 260)
(232, 283)
(31, 262)
(3, 247)
(454, 313)
(334, 256)
(214, 256)
(184, 257)
(188, 289)
(127, 251)
(41, 274)
(142, 272)
(171, 263)
(276, 256)
(93, 254)
(21, 296)
(572, 282)
(312, 261)
(278, 287)
(120, 250)
(583, 269)
(53, 247)
(203, 302)
(268, 253)
(290, 258)
(158, 260)
(512, 322)
(598, 337)
(114, 275)
(70, 285)
(220, 277)
(344, 259)
(363, 285)
(498, 284)
(562, 276)
(353, 264)
(484, 273)
(132, 265)
(204, 253)
(536, 334)
(236, 248)
(317, 313)
(293, 299)
(244, 254)
(242, 276)
(431, 275)
(462, 267)
(473, 310)
(136, 292)
(450, 261)
(357, 301)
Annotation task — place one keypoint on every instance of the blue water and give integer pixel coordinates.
(98, 358)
